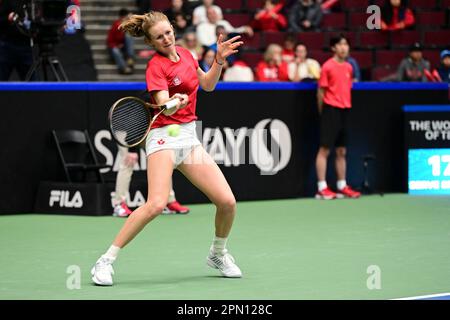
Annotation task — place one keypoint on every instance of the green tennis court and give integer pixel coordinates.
(287, 249)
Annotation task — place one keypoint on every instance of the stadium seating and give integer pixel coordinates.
(380, 72)
(252, 58)
(252, 43)
(160, 5)
(312, 40)
(372, 49)
(364, 58)
(389, 57)
(238, 19)
(422, 4)
(359, 5)
(437, 39)
(351, 36)
(228, 5)
(334, 21)
(373, 39)
(427, 20)
(273, 37)
(319, 55)
(358, 21)
(402, 39)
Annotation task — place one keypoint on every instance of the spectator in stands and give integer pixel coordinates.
(303, 68)
(178, 7)
(220, 30)
(272, 68)
(15, 48)
(444, 69)
(200, 13)
(396, 16)
(181, 26)
(289, 44)
(121, 45)
(355, 67)
(413, 67)
(270, 17)
(305, 15)
(207, 59)
(190, 42)
(206, 31)
(239, 71)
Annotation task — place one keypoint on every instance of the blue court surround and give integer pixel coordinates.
(114, 86)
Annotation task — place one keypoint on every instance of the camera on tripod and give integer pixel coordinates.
(47, 19)
(44, 22)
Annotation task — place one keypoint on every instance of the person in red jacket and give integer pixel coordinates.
(396, 16)
(272, 68)
(120, 45)
(270, 18)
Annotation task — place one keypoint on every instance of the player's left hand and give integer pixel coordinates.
(227, 48)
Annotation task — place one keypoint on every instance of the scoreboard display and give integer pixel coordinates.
(429, 171)
(427, 144)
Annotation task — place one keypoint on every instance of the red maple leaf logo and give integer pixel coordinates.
(161, 141)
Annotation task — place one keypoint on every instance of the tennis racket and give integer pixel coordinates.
(131, 119)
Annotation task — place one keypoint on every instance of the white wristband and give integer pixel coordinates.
(172, 103)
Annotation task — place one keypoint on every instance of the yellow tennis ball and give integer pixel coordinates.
(173, 130)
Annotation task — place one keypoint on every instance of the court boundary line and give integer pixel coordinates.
(424, 296)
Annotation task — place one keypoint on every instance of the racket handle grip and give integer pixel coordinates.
(172, 103)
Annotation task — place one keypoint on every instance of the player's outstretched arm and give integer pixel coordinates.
(225, 49)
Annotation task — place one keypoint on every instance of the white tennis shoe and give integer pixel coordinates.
(225, 263)
(102, 272)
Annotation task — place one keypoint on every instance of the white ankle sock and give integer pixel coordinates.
(219, 244)
(341, 184)
(112, 252)
(321, 185)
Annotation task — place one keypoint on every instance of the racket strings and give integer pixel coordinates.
(130, 122)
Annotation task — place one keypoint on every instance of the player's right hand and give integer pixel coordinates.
(184, 100)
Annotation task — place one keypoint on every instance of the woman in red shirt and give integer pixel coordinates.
(272, 68)
(172, 72)
(270, 18)
(396, 16)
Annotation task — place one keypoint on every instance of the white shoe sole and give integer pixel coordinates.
(212, 265)
(319, 197)
(341, 196)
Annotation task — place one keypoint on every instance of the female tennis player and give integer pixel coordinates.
(171, 73)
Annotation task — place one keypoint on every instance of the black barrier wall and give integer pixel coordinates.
(234, 122)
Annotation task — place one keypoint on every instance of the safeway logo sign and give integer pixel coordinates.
(63, 199)
(268, 146)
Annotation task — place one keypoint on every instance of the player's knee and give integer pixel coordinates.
(154, 207)
(324, 152)
(227, 204)
(341, 152)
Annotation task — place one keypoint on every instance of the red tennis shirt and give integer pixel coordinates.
(336, 79)
(174, 77)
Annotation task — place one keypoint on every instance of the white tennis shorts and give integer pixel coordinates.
(182, 145)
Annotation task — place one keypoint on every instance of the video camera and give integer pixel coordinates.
(42, 20)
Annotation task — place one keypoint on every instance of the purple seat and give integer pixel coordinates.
(373, 39)
(333, 21)
(404, 38)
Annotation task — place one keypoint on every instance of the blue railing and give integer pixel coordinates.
(112, 86)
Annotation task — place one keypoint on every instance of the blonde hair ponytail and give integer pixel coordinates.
(139, 25)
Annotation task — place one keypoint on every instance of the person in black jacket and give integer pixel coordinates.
(305, 15)
(15, 47)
